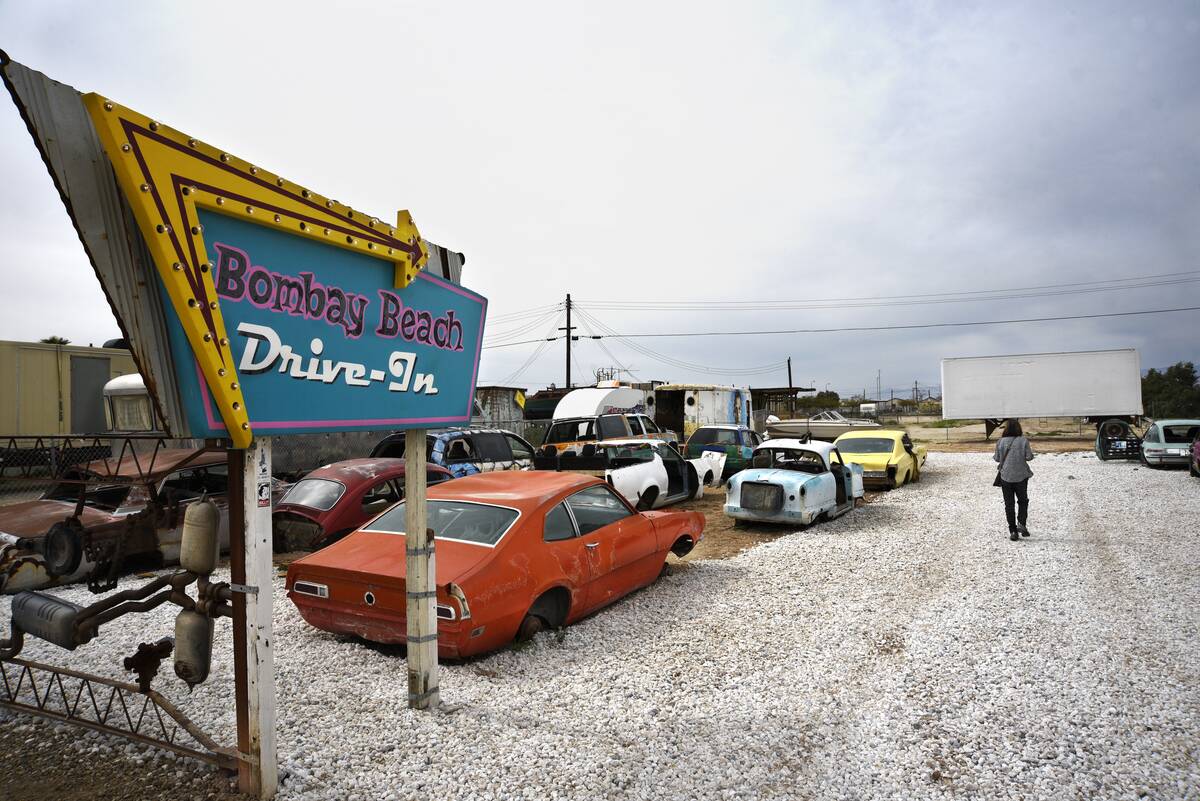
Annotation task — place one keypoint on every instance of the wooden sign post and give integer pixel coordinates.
(421, 581)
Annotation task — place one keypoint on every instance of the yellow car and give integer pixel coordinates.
(888, 457)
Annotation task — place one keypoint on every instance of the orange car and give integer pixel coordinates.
(516, 552)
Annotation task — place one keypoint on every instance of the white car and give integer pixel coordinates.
(790, 481)
(649, 473)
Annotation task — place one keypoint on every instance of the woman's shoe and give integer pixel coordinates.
(1013, 535)
(1021, 528)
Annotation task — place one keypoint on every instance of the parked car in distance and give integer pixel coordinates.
(649, 473)
(737, 442)
(107, 512)
(790, 481)
(641, 425)
(888, 457)
(466, 451)
(516, 553)
(1168, 442)
(331, 501)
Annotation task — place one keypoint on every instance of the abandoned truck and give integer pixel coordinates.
(1103, 386)
(608, 411)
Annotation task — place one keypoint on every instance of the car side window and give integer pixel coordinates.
(520, 448)
(558, 525)
(649, 425)
(492, 447)
(669, 456)
(194, 482)
(596, 507)
(460, 450)
(635, 424)
(1152, 434)
(379, 497)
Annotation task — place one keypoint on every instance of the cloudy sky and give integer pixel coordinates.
(686, 168)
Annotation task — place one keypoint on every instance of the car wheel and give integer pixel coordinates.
(62, 549)
(1142, 458)
(531, 626)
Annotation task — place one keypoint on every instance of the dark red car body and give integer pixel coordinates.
(487, 593)
(367, 487)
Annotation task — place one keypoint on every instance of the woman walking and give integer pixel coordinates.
(1012, 476)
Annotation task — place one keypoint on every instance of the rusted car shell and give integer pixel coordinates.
(146, 522)
(298, 525)
(485, 593)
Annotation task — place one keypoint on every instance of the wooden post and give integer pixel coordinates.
(251, 575)
(421, 579)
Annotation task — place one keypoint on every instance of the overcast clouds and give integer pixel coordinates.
(682, 152)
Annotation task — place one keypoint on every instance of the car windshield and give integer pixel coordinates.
(623, 455)
(866, 445)
(454, 520)
(107, 498)
(789, 459)
(315, 493)
(714, 436)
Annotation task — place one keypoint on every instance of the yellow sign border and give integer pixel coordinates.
(166, 176)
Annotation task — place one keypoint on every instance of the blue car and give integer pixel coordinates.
(1169, 442)
(466, 451)
(794, 482)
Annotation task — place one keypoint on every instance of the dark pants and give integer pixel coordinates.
(1016, 493)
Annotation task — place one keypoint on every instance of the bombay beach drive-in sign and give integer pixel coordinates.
(293, 313)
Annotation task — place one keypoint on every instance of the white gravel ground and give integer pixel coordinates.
(907, 651)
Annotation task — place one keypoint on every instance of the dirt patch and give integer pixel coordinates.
(43, 761)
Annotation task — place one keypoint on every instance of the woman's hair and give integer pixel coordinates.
(1013, 428)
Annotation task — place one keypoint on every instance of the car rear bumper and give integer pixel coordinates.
(381, 627)
(803, 517)
(1169, 459)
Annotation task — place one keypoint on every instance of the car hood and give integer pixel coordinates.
(34, 518)
(775, 475)
(379, 558)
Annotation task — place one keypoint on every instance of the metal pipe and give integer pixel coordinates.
(12, 646)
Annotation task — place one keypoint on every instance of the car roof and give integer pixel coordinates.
(523, 489)
(724, 426)
(823, 448)
(632, 441)
(153, 465)
(1177, 422)
(352, 471)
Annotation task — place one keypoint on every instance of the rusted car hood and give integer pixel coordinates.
(34, 518)
(379, 558)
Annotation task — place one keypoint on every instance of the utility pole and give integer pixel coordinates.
(878, 385)
(568, 329)
(791, 392)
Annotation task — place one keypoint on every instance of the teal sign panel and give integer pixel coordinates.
(323, 341)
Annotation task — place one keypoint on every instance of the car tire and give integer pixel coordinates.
(530, 627)
(1142, 458)
(62, 549)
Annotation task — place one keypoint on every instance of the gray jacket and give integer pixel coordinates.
(1013, 454)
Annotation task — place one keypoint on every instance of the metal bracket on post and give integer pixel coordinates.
(421, 579)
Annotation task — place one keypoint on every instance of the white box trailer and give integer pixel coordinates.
(1096, 384)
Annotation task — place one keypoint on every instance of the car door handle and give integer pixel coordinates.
(591, 545)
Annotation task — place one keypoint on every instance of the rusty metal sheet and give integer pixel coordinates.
(59, 124)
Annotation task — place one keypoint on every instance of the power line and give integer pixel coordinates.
(1045, 290)
(903, 327)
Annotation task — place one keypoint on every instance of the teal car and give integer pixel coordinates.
(737, 442)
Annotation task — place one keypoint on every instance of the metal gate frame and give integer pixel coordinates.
(89, 706)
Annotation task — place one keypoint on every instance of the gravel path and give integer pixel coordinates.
(907, 650)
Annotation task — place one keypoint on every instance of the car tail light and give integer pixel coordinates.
(311, 588)
(446, 612)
